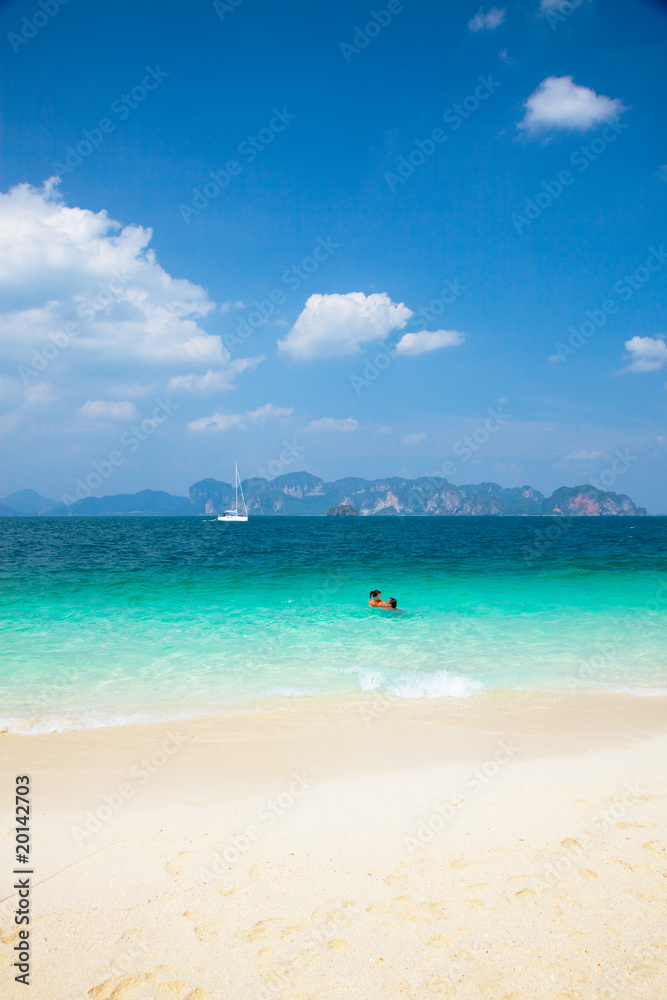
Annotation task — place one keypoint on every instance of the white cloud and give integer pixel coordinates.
(64, 265)
(583, 456)
(106, 409)
(212, 381)
(648, 354)
(338, 426)
(135, 390)
(333, 326)
(492, 19)
(39, 393)
(414, 438)
(226, 421)
(428, 340)
(560, 103)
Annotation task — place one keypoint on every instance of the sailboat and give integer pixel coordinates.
(233, 515)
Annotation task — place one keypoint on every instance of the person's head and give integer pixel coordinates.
(375, 595)
(392, 602)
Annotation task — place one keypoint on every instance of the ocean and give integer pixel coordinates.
(114, 620)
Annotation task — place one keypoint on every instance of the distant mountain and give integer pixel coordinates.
(28, 502)
(303, 493)
(587, 500)
(300, 493)
(155, 502)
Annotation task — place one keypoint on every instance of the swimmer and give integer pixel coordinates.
(376, 601)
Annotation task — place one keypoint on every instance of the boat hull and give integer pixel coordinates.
(232, 517)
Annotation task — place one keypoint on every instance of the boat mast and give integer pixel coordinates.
(236, 483)
(245, 506)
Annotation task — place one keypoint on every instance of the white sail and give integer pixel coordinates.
(235, 515)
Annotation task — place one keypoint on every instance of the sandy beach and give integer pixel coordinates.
(502, 847)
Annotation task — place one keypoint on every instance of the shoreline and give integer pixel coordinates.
(380, 732)
(497, 704)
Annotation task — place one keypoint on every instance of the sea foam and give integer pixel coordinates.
(438, 684)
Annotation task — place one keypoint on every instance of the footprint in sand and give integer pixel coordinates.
(381, 908)
(570, 843)
(337, 919)
(587, 873)
(438, 941)
(205, 928)
(259, 930)
(572, 903)
(177, 865)
(285, 970)
(397, 881)
(145, 986)
(291, 930)
(460, 863)
(332, 912)
(133, 934)
(337, 944)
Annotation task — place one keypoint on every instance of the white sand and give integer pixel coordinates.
(497, 848)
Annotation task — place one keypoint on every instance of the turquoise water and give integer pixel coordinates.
(105, 620)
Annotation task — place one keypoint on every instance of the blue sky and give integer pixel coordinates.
(387, 190)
